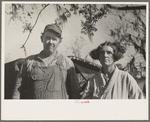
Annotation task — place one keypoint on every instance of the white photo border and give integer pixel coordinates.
(73, 109)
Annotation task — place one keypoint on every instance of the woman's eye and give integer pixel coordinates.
(109, 52)
(101, 52)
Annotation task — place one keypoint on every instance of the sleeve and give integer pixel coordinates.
(19, 89)
(72, 82)
(88, 92)
(134, 90)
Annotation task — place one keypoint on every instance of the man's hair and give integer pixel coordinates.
(117, 48)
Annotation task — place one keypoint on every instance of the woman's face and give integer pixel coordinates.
(106, 56)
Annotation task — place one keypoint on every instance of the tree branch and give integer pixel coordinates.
(131, 22)
(33, 26)
(127, 7)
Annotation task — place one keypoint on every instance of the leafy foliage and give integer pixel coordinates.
(136, 37)
(77, 47)
(91, 13)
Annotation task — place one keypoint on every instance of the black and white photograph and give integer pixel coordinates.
(78, 60)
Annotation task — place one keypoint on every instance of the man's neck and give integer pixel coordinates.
(47, 59)
(45, 54)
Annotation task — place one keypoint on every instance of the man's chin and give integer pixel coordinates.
(52, 51)
(49, 52)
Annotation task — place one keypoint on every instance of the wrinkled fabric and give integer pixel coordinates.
(56, 81)
(121, 86)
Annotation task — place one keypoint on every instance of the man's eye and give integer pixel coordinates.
(54, 39)
(48, 39)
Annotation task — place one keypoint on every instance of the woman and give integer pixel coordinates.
(110, 82)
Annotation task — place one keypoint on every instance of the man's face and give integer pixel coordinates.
(50, 41)
(106, 56)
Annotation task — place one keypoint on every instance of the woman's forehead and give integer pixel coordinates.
(106, 48)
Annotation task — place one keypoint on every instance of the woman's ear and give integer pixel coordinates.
(41, 38)
(60, 40)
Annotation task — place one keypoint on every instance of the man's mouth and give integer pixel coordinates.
(51, 46)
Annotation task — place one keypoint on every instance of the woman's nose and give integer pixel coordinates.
(105, 54)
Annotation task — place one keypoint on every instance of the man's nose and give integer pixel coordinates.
(50, 41)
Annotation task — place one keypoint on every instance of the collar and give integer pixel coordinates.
(42, 63)
(112, 80)
(55, 55)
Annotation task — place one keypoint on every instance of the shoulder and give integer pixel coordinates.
(123, 73)
(31, 57)
(120, 73)
(29, 60)
(64, 58)
(127, 77)
(66, 61)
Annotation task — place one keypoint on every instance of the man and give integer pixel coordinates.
(47, 75)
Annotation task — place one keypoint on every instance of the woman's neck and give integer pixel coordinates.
(108, 70)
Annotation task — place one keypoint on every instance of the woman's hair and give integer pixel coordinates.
(117, 48)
